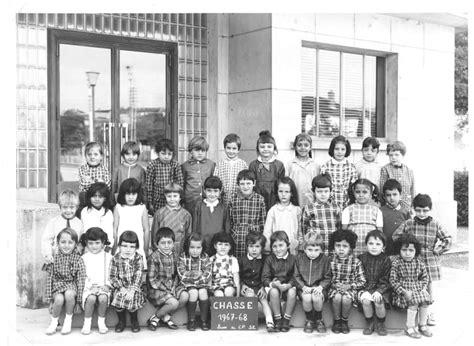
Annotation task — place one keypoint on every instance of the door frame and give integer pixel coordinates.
(56, 37)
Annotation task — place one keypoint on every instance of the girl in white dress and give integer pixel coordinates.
(130, 214)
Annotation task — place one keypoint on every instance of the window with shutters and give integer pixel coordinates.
(343, 91)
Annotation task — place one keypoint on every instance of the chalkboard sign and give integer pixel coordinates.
(232, 313)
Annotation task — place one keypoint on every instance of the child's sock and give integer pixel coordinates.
(192, 311)
(86, 328)
(52, 326)
(66, 329)
(318, 315)
(423, 315)
(204, 306)
(309, 315)
(369, 319)
(381, 319)
(277, 317)
(287, 317)
(411, 315)
(101, 324)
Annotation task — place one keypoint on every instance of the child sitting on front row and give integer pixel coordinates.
(323, 215)
(394, 214)
(278, 279)
(225, 267)
(360, 216)
(409, 280)
(312, 279)
(347, 277)
(164, 293)
(251, 267)
(376, 291)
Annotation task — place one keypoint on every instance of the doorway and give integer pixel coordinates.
(108, 90)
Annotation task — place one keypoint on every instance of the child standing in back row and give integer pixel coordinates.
(302, 169)
(129, 168)
(342, 172)
(369, 167)
(228, 168)
(267, 168)
(195, 171)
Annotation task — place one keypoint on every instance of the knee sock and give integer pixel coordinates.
(369, 319)
(381, 319)
(204, 307)
(192, 311)
(318, 315)
(287, 316)
(134, 317)
(411, 315)
(309, 315)
(121, 316)
(423, 315)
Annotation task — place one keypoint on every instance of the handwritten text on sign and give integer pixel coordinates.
(232, 313)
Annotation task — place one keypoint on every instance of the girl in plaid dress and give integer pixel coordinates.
(361, 216)
(267, 169)
(409, 280)
(65, 281)
(342, 172)
(194, 271)
(163, 290)
(347, 277)
(126, 270)
(433, 239)
(225, 267)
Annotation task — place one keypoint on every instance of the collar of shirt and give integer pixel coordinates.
(259, 158)
(281, 207)
(193, 161)
(221, 257)
(282, 257)
(93, 167)
(226, 158)
(364, 162)
(211, 205)
(175, 208)
(423, 221)
(397, 166)
(335, 162)
(301, 163)
(241, 195)
(129, 165)
(318, 203)
(165, 254)
(254, 258)
(398, 207)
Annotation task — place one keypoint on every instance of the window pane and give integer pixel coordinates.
(370, 96)
(308, 90)
(328, 91)
(352, 93)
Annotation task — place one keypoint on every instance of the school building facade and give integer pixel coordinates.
(118, 77)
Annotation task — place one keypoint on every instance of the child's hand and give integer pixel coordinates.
(50, 308)
(318, 290)
(244, 289)
(106, 288)
(129, 294)
(285, 287)
(49, 259)
(345, 287)
(261, 294)
(307, 290)
(408, 294)
(377, 297)
(94, 289)
(77, 309)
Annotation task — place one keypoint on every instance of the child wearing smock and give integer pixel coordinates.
(195, 171)
(267, 168)
(342, 172)
(129, 168)
(360, 216)
(369, 167)
(225, 267)
(285, 215)
(302, 168)
(228, 168)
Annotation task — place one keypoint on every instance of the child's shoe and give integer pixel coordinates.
(431, 320)
(320, 326)
(424, 330)
(308, 327)
(369, 328)
(191, 326)
(52, 326)
(345, 327)
(336, 327)
(169, 323)
(66, 329)
(120, 326)
(381, 329)
(153, 322)
(86, 328)
(278, 323)
(205, 325)
(412, 333)
(271, 328)
(285, 325)
(101, 325)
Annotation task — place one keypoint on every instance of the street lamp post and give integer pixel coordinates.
(92, 81)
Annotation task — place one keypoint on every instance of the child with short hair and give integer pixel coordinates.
(278, 279)
(369, 167)
(393, 211)
(312, 277)
(195, 171)
(409, 280)
(267, 168)
(129, 168)
(195, 274)
(210, 215)
(361, 216)
(251, 267)
(97, 211)
(97, 288)
(347, 277)
(323, 216)
(160, 172)
(343, 173)
(125, 276)
(246, 210)
(302, 168)
(225, 267)
(228, 168)
(94, 170)
(285, 215)
(396, 169)
(163, 290)
(376, 292)
(174, 216)
(68, 202)
(434, 240)
(65, 280)
(130, 214)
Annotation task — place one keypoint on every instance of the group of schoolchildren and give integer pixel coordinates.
(268, 230)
